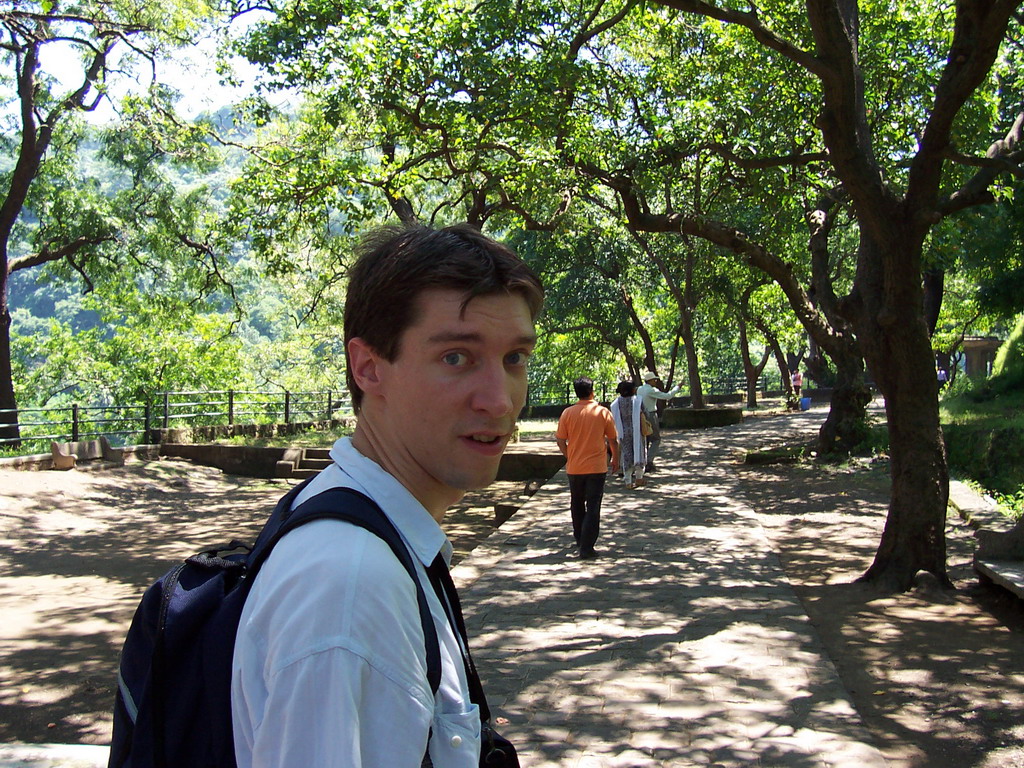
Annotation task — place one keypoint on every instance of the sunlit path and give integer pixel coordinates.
(683, 645)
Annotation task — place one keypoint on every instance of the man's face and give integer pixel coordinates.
(438, 417)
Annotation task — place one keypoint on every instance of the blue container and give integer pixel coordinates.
(805, 403)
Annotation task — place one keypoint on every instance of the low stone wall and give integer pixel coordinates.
(523, 462)
(518, 463)
(543, 411)
(683, 401)
(43, 461)
(247, 460)
(700, 418)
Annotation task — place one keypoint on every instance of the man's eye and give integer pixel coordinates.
(517, 358)
(455, 358)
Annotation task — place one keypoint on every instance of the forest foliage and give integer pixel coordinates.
(832, 184)
(229, 234)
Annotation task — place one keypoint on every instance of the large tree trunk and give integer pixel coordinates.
(751, 371)
(692, 371)
(894, 337)
(780, 356)
(674, 359)
(627, 301)
(846, 424)
(934, 287)
(9, 429)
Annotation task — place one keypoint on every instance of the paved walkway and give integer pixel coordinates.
(683, 645)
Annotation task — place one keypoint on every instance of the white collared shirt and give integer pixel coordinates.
(650, 395)
(329, 667)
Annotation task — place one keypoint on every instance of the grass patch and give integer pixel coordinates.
(983, 425)
(786, 454)
(984, 408)
(313, 438)
(537, 429)
(1011, 504)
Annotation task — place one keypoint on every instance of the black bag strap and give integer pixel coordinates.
(351, 506)
(441, 579)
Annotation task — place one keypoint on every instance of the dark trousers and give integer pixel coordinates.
(585, 493)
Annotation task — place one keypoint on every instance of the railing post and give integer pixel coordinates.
(328, 405)
(145, 421)
(231, 407)
(167, 409)
(74, 423)
(287, 406)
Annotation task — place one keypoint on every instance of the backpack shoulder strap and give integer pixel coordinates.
(351, 506)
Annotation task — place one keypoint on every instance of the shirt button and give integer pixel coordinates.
(456, 742)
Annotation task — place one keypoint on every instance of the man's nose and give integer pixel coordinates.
(495, 391)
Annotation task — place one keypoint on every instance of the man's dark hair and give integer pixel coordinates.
(584, 387)
(626, 388)
(394, 265)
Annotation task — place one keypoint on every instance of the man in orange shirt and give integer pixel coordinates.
(585, 433)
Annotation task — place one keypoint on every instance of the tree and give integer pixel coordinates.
(46, 214)
(794, 116)
(590, 291)
(684, 291)
(895, 213)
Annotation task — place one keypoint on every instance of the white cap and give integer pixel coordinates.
(650, 376)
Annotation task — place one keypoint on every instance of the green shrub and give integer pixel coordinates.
(1008, 369)
(993, 457)
(1012, 503)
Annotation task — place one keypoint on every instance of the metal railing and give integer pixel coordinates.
(564, 394)
(122, 424)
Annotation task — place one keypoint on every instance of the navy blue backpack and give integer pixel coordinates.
(173, 703)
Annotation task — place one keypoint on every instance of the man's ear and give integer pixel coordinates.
(365, 366)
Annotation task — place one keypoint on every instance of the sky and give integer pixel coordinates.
(191, 72)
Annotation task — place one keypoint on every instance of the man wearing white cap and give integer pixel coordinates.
(650, 392)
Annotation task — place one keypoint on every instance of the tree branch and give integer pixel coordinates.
(978, 32)
(1008, 151)
(45, 256)
(589, 32)
(761, 33)
(751, 163)
(639, 216)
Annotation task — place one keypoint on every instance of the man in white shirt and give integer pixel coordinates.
(329, 668)
(650, 392)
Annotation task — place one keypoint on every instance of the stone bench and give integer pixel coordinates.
(999, 557)
(68, 455)
(1008, 574)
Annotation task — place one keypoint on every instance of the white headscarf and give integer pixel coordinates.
(638, 437)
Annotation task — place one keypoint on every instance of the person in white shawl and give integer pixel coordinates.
(632, 445)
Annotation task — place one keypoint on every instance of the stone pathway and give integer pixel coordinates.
(683, 645)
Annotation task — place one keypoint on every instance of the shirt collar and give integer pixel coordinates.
(420, 531)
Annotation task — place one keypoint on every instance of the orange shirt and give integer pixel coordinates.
(585, 426)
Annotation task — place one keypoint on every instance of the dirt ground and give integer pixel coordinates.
(937, 677)
(78, 548)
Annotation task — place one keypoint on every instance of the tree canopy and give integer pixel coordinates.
(703, 185)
